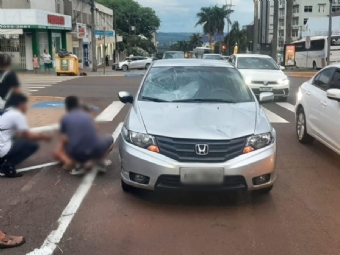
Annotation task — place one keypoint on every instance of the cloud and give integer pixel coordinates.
(180, 15)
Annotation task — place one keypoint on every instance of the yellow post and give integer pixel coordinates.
(236, 49)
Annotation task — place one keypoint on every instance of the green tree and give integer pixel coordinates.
(236, 35)
(195, 40)
(181, 46)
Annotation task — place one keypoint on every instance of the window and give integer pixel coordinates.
(295, 33)
(282, 12)
(281, 33)
(308, 8)
(335, 84)
(305, 21)
(281, 23)
(335, 8)
(282, 2)
(281, 44)
(296, 9)
(295, 22)
(323, 78)
(322, 7)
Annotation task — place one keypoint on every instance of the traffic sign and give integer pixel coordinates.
(307, 44)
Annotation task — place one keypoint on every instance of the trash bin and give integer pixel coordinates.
(66, 63)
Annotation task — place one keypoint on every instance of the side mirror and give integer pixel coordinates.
(282, 68)
(334, 94)
(125, 97)
(266, 97)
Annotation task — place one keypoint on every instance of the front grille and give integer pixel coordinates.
(268, 82)
(183, 150)
(174, 181)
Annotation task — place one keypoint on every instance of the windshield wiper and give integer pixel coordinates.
(153, 99)
(199, 100)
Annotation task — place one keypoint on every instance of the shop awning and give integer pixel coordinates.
(11, 31)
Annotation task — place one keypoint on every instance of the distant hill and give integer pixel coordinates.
(169, 38)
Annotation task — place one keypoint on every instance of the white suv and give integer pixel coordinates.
(318, 108)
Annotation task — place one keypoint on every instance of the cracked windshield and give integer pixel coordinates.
(147, 127)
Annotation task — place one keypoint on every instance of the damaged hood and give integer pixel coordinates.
(198, 120)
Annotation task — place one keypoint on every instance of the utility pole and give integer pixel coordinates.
(116, 40)
(329, 33)
(104, 30)
(256, 25)
(228, 8)
(93, 37)
(275, 29)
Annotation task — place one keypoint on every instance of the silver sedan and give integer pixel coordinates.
(137, 62)
(196, 124)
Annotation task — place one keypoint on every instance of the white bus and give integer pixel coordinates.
(199, 51)
(317, 54)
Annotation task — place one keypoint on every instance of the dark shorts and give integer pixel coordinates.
(96, 154)
(48, 66)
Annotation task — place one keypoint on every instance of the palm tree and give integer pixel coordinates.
(275, 28)
(237, 36)
(289, 17)
(256, 25)
(206, 19)
(195, 40)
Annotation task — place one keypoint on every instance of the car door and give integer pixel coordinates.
(133, 63)
(332, 112)
(316, 97)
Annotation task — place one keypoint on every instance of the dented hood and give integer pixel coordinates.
(198, 120)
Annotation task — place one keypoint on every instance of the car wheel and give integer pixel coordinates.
(301, 129)
(147, 66)
(125, 68)
(125, 187)
(113, 67)
(314, 65)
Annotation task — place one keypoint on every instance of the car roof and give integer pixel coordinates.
(212, 54)
(191, 62)
(252, 55)
(174, 51)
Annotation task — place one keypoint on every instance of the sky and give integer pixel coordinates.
(180, 15)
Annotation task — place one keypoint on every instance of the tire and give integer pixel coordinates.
(125, 187)
(301, 128)
(314, 66)
(125, 68)
(147, 66)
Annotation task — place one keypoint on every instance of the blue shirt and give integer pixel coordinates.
(80, 130)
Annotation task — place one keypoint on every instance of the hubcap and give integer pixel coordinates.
(301, 125)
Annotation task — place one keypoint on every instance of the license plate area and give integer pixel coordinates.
(266, 89)
(202, 175)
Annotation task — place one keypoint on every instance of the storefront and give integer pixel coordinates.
(32, 31)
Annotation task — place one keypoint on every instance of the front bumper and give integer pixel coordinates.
(165, 172)
(278, 90)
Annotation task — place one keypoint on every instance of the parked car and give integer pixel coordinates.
(213, 56)
(173, 54)
(137, 62)
(179, 134)
(262, 74)
(318, 108)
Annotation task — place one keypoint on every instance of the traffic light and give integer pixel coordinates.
(224, 47)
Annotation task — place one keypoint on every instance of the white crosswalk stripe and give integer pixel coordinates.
(287, 106)
(34, 83)
(273, 117)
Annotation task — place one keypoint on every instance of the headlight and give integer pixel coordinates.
(283, 81)
(142, 140)
(260, 141)
(248, 80)
(299, 95)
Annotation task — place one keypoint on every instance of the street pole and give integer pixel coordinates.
(104, 30)
(329, 33)
(93, 37)
(116, 41)
(256, 25)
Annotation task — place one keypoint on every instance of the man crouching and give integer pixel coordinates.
(80, 146)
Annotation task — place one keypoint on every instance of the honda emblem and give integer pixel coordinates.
(202, 149)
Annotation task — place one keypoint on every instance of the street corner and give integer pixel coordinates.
(45, 110)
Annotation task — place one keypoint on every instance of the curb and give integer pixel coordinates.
(300, 76)
(133, 75)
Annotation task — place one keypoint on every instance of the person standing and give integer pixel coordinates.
(9, 82)
(35, 64)
(46, 57)
(107, 60)
(17, 143)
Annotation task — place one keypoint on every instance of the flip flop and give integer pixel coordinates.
(11, 242)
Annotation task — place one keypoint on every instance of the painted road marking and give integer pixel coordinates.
(287, 106)
(51, 242)
(110, 112)
(33, 90)
(39, 87)
(273, 117)
(37, 167)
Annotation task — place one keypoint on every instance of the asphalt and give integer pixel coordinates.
(300, 215)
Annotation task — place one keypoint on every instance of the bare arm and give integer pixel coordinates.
(34, 136)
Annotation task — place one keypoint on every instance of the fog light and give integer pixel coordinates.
(262, 179)
(139, 178)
